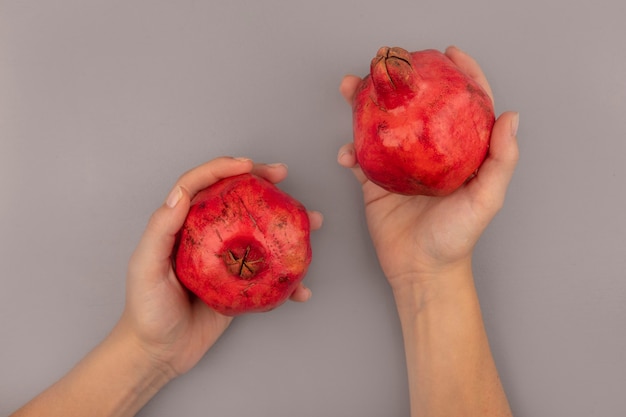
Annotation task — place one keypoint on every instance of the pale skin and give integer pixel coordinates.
(163, 331)
(424, 246)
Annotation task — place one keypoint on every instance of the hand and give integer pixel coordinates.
(419, 236)
(171, 325)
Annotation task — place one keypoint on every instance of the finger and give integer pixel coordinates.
(157, 242)
(490, 183)
(300, 294)
(469, 66)
(347, 158)
(316, 219)
(348, 86)
(210, 172)
(274, 173)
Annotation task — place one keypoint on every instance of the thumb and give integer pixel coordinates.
(490, 183)
(155, 247)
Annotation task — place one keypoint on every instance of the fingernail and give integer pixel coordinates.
(243, 159)
(514, 124)
(174, 197)
(307, 291)
(277, 165)
(343, 153)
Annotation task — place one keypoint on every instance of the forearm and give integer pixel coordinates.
(114, 379)
(450, 366)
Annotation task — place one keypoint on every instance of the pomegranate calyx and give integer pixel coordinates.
(242, 266)
(393, 77)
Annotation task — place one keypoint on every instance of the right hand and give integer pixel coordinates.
(418, 237)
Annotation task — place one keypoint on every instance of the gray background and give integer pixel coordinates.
(104, 103)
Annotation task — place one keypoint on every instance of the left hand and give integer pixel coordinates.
(173, 327)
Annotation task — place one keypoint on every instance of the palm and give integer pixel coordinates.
(178, 326)
(406, 228)
(190, 326)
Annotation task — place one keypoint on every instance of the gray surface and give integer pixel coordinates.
(104, 103)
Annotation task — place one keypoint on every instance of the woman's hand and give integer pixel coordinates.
(164, 330)
(424, 245)
(171, 325)
(420, 236)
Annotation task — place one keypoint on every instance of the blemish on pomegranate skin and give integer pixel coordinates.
(188, 236)
(471, 88)
(245, 292)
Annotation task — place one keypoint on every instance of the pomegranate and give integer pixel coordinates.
(244, 246)
(421, 125)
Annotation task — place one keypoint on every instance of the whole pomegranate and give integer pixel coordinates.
(244, 246)
(421, 126)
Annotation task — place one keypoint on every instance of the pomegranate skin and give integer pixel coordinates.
(421, 126)
(244, 246)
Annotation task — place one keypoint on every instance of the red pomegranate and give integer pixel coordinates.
(244, 246)
(421, 125)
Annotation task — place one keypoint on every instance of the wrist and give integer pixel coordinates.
(446, 346)
(150, 373)
(423, 286)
